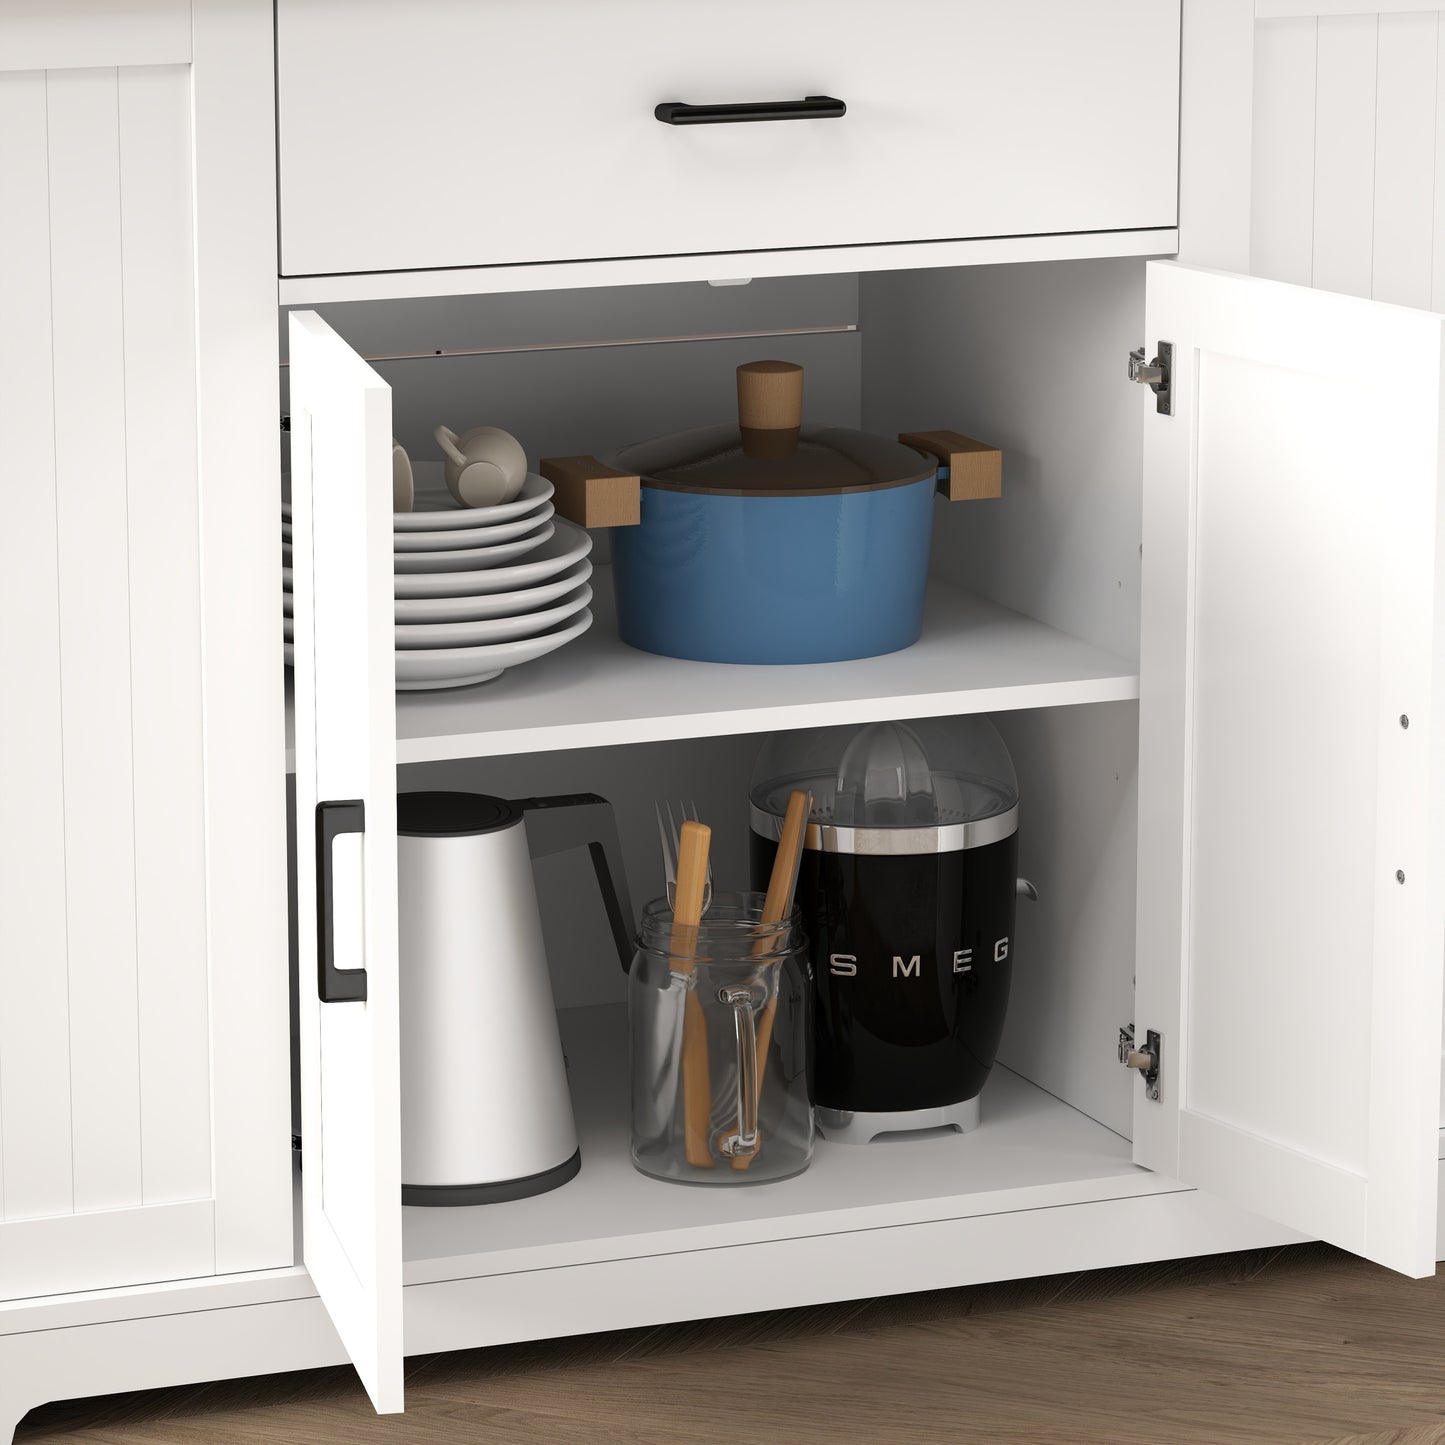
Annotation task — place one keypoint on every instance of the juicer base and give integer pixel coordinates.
(839, 1126)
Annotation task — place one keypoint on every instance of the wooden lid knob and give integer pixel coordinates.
(770, 396)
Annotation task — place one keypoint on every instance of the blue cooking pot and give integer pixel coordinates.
(771, 542)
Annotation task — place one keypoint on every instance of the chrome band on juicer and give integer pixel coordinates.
(897, 842)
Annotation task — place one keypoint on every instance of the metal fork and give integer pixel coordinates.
(668, 830)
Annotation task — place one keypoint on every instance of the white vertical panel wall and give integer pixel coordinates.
(104, 1052)
(1349, 151)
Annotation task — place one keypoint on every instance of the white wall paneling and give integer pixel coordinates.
(35, 1176)
(1343, 227)
(1216, 132)
(1405, 106)
(1349, 174)
(1282, 214)
(165, 635)
(88, 361)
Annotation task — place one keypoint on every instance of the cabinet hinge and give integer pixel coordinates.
(1148, 1060)
(1156, 375)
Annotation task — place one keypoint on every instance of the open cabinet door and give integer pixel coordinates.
(346, 847)
(1291, 934)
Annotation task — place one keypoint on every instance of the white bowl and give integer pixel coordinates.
(411, 635)
(427, 668)
(467, 558)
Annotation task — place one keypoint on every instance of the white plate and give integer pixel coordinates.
(436, 508)
(428, 668)
(410, 636)
(468, 558)
(493, 629)
(476, 609)
(459, 666)
(450, 541)
(567, 546)
(464, 559)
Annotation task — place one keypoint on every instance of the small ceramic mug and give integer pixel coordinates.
(403, 489)
(484, 466)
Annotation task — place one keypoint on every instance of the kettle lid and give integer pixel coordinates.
(452, 815)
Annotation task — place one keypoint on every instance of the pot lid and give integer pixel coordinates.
(768, 452)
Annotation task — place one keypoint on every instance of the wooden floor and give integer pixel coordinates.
(1295, 1345)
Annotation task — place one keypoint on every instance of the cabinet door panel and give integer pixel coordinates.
(345, 752)
(1291, 840)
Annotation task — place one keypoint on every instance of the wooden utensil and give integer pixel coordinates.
(694, 843)
(777, 905)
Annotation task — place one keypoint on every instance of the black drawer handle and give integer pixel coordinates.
(334, 985)
(812, 107)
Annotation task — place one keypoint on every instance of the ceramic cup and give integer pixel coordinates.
(403, 489)
(484, 466)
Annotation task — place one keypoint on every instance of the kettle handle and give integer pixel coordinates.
(589, 820)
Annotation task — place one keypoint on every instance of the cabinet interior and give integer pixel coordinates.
(1034, 618)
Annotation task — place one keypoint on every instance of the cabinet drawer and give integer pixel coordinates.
(479, 132)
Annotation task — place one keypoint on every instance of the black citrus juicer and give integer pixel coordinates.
(907, 892)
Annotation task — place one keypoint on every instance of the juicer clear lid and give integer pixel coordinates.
(769, 452)
(937, 772)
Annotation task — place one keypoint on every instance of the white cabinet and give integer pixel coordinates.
(143, 1111)
(509, 133)
(1289, 624)
(1279, 856)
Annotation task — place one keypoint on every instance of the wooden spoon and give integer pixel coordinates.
(694, 842)
(777, 905)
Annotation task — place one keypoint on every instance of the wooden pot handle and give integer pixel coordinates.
(592, 494)
(975, 469)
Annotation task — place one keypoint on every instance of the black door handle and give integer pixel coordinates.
(334, 985)
(811, 107)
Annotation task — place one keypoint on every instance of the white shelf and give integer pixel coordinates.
(1031, 1152)
(974, 656)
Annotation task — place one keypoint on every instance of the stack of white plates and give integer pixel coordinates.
(478, 590)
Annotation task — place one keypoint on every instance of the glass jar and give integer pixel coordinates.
(720, 1026)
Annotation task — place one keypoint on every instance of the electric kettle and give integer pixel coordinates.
(485, 1111)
